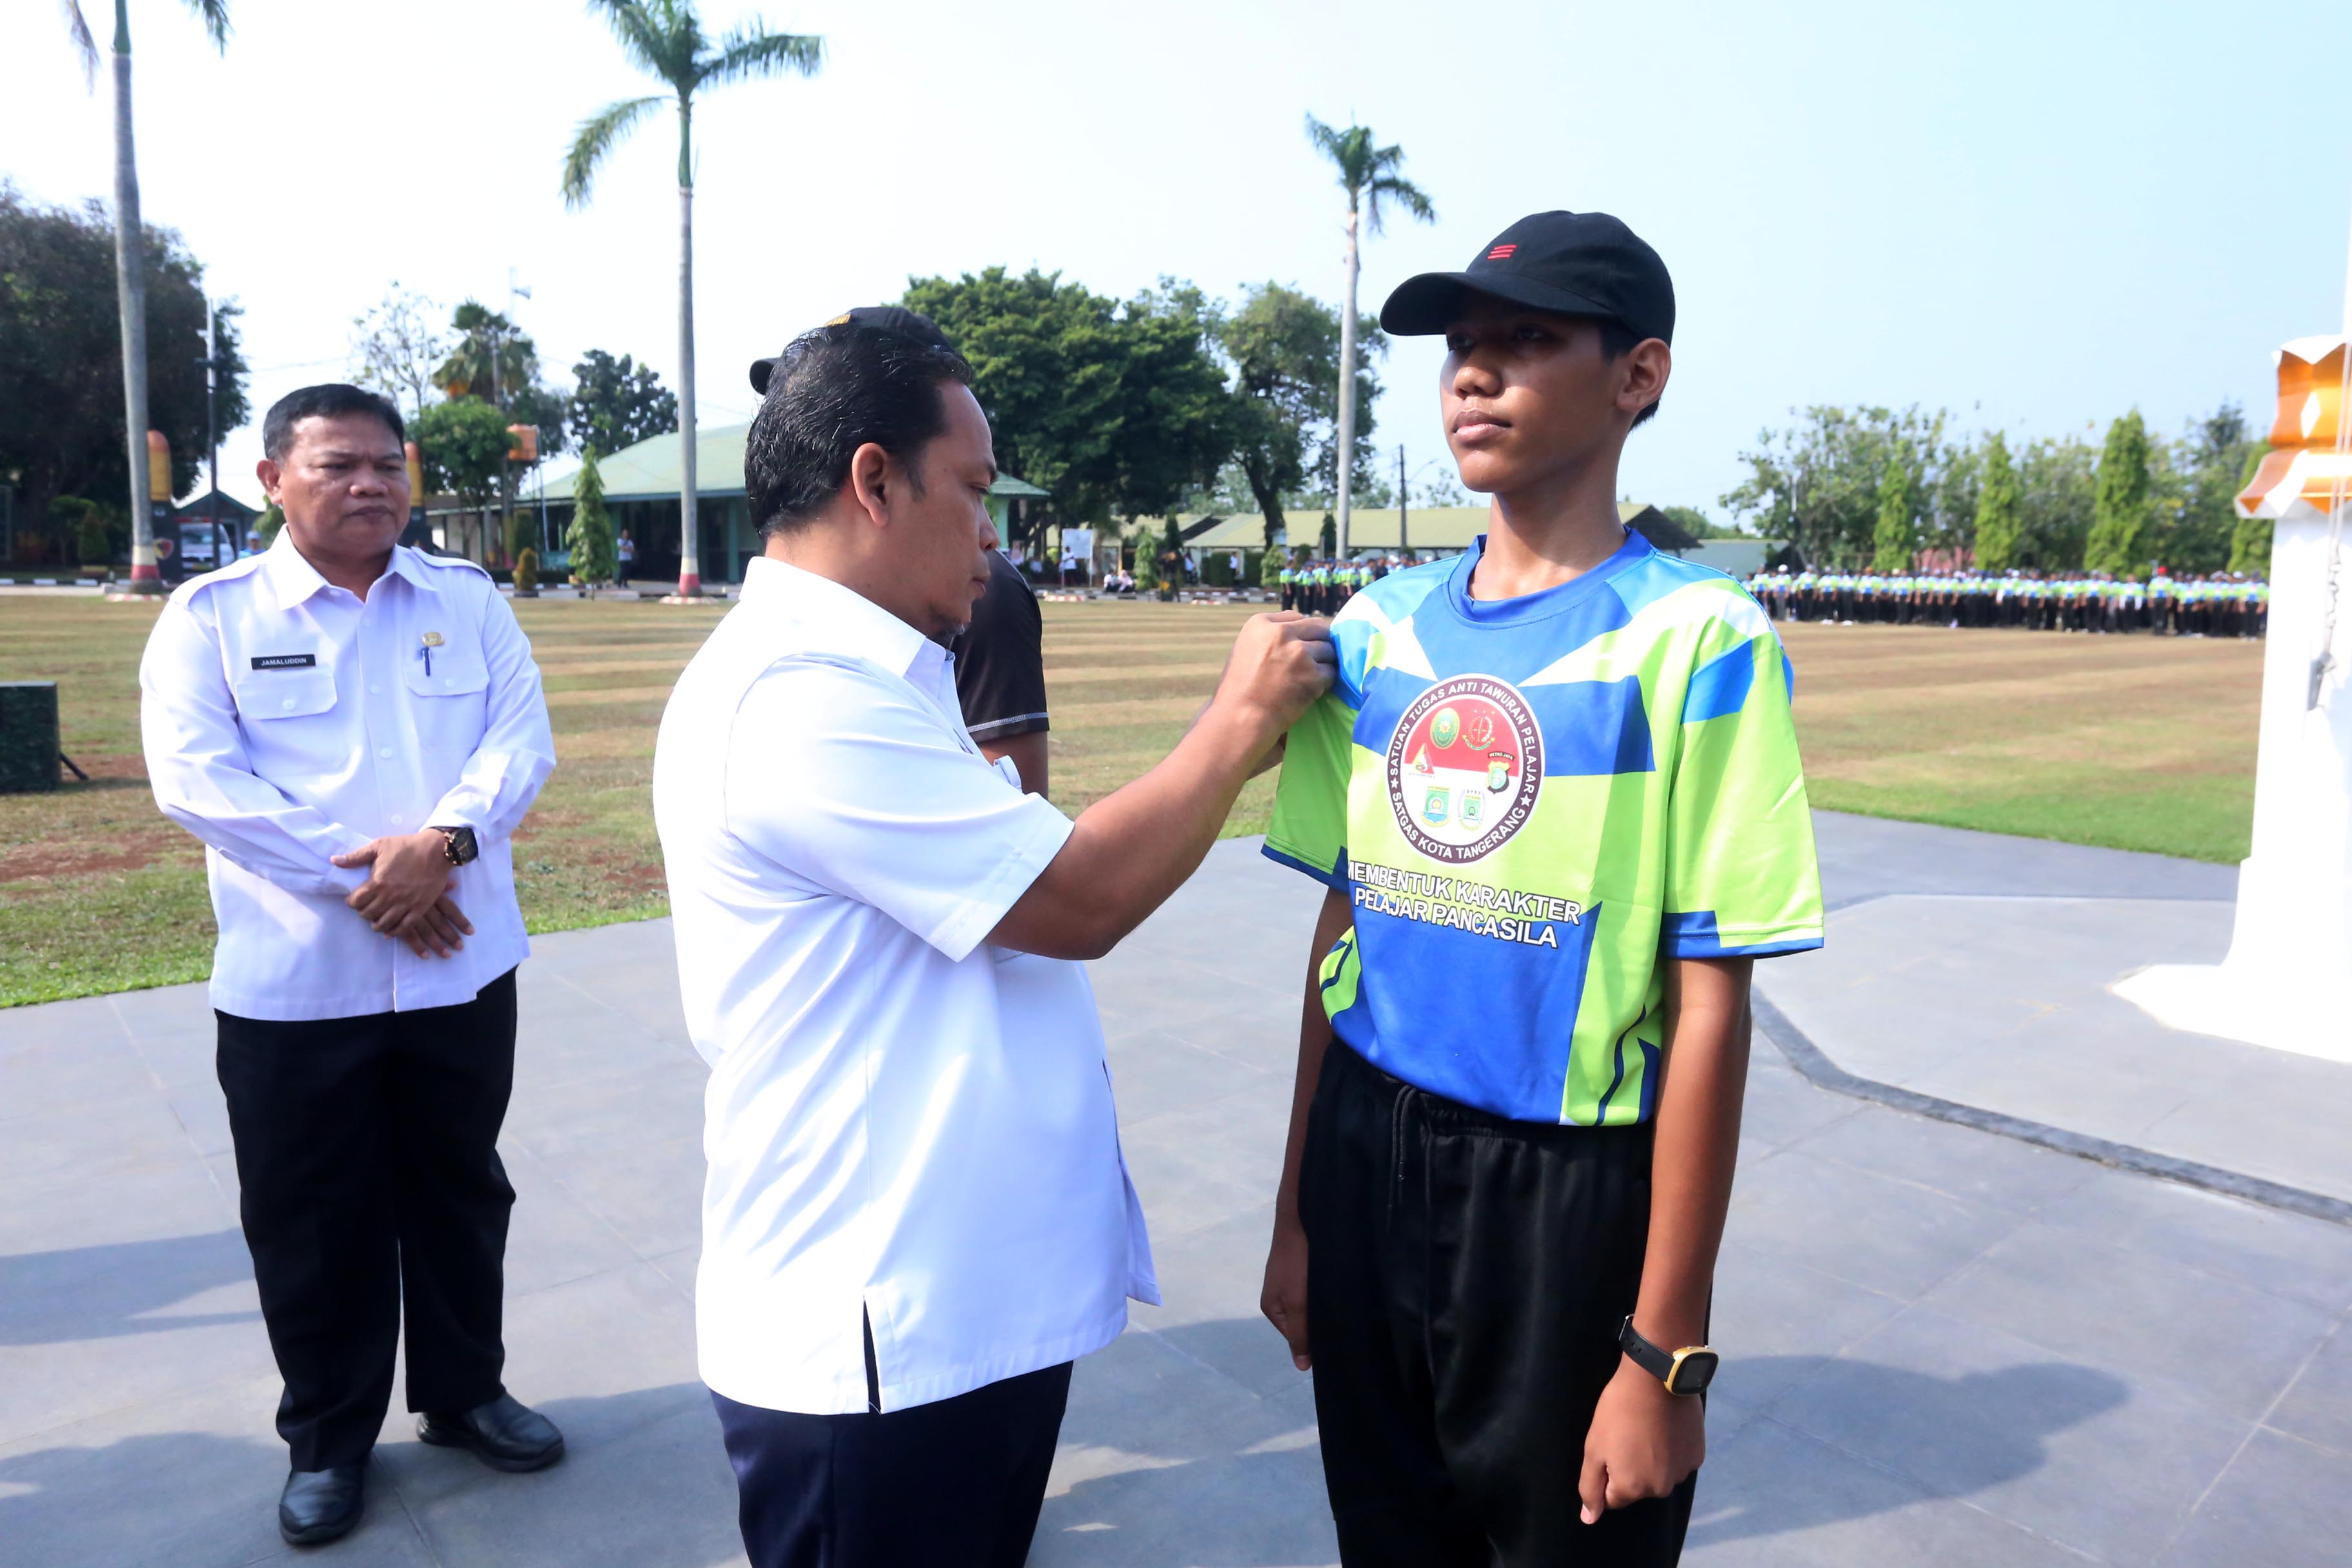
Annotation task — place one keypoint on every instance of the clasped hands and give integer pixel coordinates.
(407, 891)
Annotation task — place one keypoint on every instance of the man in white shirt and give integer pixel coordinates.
(916, 1214)
(356, 729)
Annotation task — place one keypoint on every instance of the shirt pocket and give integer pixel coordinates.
(274, 694)
(450, 700)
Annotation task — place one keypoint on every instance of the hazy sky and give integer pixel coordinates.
(2037, 216)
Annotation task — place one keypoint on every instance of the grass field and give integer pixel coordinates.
(2129, 742)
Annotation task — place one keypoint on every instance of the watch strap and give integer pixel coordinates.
(1657, 1363)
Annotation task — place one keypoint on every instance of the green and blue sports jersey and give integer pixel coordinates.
(1531, 803)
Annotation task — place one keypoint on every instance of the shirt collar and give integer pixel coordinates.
(292, 576)
(841, 619)
(408, 567)
(1544, 602)
(294, 579)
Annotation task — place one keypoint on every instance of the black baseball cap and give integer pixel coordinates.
(1577, 264)
(913, 325)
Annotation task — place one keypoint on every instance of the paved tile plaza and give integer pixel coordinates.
(1946, 1347)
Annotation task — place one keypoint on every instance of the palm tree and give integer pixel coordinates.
(664, 39)
(1368, 174)
(131, 262)
(492, 362)
(488, 360)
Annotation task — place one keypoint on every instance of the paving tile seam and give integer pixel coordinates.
(2021, 1214)
(1183, 1354)
(1810, 1060)
(2179, 1391)
(2330, 1450)
(23, 1189)
(1841, 1351)
(2262, 1423)
(1228, 1057)
(1785, 1144)
(1903, 1303)
(415, 1524)
(636, 1259)
(138, 1049)
(94, 1102)
(45, 1434)
(569, 1280)
(1935, 1492)
(1856, 900)
(1171, 1233)
(1939, 1281)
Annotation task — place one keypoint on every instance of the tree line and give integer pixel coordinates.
(1171, 401)
(459, 377)
(1263, 431)
(63, 439)
(462, 385)
(1877, 487)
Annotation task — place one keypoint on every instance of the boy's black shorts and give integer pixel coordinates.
(1466, 1275)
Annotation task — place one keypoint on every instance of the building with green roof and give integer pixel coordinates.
(641, 489)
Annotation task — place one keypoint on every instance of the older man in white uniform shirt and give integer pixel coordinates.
(355, 731)
(916, 1214)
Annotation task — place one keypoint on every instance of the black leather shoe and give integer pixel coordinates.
(320, 1506)
(506, 1434)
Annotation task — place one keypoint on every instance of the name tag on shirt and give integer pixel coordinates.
(285, 661)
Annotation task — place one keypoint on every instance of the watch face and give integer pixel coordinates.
(1693, 1371)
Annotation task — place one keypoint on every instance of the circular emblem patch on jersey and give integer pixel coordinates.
(1465, 767)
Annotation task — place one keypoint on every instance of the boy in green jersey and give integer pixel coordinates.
(1555, 801)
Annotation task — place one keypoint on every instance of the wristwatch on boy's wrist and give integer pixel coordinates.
(1687, 1371)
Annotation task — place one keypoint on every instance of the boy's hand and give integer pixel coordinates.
(1283, 1298)
(1643, 1442)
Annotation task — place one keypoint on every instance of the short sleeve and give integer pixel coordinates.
(1001, 659)
(846, 778)
(1742, 877)
(1309, 829)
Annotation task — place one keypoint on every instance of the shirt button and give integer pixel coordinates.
(383, 750)
(287, 704)
(374, 690)
(396, 819)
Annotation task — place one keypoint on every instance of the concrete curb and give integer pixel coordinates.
(1823, 1073)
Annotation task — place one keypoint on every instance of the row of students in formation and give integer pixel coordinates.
(2220, 604)
(1320, 587)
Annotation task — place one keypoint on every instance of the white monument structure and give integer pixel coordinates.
(2287, 982)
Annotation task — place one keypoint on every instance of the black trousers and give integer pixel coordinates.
(959, 1481)
(367, 1156)
(1466, 1281)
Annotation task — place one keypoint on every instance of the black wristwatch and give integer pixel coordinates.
(1686, 1370)
(457, 843)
